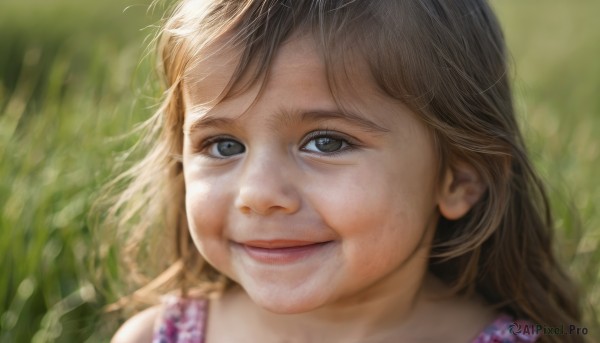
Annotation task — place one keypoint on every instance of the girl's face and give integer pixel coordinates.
(301, 204)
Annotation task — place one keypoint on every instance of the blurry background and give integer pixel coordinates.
(73, 80)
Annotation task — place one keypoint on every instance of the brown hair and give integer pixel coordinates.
(446, 60)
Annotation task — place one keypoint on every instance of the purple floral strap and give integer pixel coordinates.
(506, 330)
(183, 321)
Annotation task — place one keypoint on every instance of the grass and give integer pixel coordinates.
(66, 90)
(71, 81)
(557, 77)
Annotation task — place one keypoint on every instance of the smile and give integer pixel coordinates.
(282, 251)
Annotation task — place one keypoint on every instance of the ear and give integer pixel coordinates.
(461, 188)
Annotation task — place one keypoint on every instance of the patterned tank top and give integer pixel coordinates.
(184, 321)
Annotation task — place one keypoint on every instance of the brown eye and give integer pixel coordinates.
(225, 148)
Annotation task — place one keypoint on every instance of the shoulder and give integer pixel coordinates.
(140, 327)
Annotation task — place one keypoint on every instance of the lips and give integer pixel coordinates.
(282, 251)
(278, 244)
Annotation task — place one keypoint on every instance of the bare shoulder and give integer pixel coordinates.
(138, 328)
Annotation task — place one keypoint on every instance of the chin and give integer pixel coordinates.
(285, 301)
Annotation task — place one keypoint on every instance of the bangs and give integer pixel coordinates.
(352, 37)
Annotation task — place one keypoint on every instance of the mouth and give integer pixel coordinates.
(282, 251)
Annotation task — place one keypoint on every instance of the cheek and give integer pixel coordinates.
(380, 203)
(205, 199)
(382, 227)
(382, 221)
(206, 214)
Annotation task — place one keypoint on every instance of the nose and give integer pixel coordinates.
(266, 186)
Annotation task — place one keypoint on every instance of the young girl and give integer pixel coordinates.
(340, 171)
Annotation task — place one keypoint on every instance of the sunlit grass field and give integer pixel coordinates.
(73, 81)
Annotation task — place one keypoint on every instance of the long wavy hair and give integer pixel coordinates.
(446, 60)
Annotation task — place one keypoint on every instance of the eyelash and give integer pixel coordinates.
(206, 144)
(348, 143)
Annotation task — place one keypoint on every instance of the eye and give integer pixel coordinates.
(224, 147)
(326, 143)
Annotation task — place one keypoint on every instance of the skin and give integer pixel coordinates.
(376, 201)
(278, 189)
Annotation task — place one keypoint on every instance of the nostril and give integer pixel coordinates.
(245, 210)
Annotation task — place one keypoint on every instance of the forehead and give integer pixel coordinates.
(209, 73)
(298, 71)
(213, 69)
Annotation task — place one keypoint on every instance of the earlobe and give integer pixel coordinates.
(461, 188)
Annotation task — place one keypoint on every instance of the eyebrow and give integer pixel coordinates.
(211, 121)
(357, 119)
